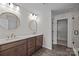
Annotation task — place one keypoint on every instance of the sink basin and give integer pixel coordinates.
(7, 40)
(3, 41)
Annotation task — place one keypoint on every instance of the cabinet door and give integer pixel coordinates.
(21, 50)
(31, 42)
(39, 42)
(31, 45)
(8, 52)
(31, 51)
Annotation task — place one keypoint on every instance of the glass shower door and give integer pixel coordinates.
(62, 32)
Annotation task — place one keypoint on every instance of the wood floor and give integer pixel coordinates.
(58, 50)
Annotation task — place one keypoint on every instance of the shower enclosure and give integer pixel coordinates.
(62, 32)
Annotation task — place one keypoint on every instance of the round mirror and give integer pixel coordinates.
(33, 26)
(9, 21)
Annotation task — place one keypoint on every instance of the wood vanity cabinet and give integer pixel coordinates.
(25, 47)
(31, 45)
(8, 52)
(15, 51)
(21, 50)
(34, 44)
(18, 48)
(39, 42)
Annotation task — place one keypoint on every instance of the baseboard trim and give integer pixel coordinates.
(75, 51)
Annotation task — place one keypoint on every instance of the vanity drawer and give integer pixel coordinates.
(12, 44)
(21, 42)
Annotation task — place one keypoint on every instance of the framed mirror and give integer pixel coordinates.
(33, 26)
(9, 21)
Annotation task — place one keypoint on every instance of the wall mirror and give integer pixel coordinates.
(9, 21)
(33, 26)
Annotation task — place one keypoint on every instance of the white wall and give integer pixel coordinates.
(44, 22)
(47, 30)
(69, 16)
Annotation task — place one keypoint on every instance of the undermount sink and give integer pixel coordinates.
(16, 38)
(6, 40)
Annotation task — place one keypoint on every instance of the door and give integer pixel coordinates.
(21, 50)
(62, 32)
(31, 45)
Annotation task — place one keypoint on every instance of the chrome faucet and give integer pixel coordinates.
(8, 37)
(12, 35)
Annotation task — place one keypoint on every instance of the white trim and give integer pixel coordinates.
(75, 51)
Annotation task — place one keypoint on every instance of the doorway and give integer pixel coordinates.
(62, 26)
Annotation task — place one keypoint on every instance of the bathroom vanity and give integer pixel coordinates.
(25, 46)
(19, 45)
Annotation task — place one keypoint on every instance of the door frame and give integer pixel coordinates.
(67, 30)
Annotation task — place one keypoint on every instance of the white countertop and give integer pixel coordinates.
(6, 40)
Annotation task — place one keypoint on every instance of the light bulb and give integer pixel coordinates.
(3, 3)
(17, 8)
(11, 5)
(33, 16)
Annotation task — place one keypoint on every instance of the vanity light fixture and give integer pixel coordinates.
(33, 23)
(33, 16)
(3, 3)
(17, 8)
(11, 5)
(30, 16)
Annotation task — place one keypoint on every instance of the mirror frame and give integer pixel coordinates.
(18, 20)
(30, 24)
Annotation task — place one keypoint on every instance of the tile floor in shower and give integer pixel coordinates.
(58, 50)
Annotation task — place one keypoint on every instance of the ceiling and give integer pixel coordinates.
(56, 8)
